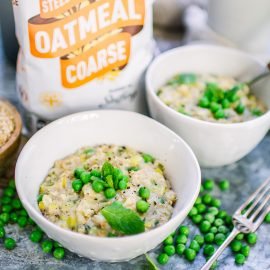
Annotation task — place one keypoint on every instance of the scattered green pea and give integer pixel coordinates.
(97, 186)
(4, 217)
(77, 185)
(181, 239)
(251, 238)
(222, 214)
(163, 258)
(169, 250)
(197, 219)
(7, 208)
(208, 184)
(207, 199)
(245, 250)
(9, 243)
(213, 210)
(36, 236)
(204, 102)
(240, 236)
(222, 229)
(199, 239)
(5, 200)
(122, 185)
(180, 248)
(240, 259)
(9, 192)
(110, 193)
(2, 232)
(219, 114)
(190, 254)
(213, 230)
(216, 203)
(85, 177)
(12, 184)
(195, 246)
(47, 246)
(183, 230)
(78, 172)
(23, 212)
(240, 108)
(16, 204)
(208, 250)
(59, 253)
(205, 226)
(219, 238)
(22, 221)
(236, 245)
(209, 217)
(218, 222)
(168, 240)
(209, 238)
(142, 206)
(193, 212)
(201, 208)
(198, 200)
(224, 185)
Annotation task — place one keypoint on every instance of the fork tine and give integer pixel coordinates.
(261, 206)
(261, 218)
(252, 197)
(258, 199)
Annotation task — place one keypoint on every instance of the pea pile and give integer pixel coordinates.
(110, 179)
(214, 225)
(12, 212)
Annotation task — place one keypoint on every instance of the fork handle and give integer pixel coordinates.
(214, 257)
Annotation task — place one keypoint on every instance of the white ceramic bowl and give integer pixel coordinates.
(214, 144)
(66, 135)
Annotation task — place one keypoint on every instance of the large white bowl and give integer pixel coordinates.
(66, 135)
(214, 144)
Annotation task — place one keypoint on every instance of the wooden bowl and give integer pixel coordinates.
(9, 149)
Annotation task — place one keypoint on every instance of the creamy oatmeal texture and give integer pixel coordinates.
(80, 212)
(191, 95)
(7, 123)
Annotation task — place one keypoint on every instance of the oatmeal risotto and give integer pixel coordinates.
(86, 191)
(7, 124)
(211, 98)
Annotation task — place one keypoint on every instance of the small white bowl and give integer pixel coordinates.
(214, 144)
(66, 135)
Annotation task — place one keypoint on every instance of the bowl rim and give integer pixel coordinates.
(193, 47)
(105, 240)
(18, 127)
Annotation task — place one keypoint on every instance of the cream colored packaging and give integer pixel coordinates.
(78, 55)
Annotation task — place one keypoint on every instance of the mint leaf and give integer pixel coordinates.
(107, 169)
(123, 219)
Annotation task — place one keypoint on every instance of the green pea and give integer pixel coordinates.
(169, 250)
(199, 239)
(208, 184)
(110, 193)
(23, 212)
(5, 200)
(207, 199)
(267, 218)
(214, 107)
(148, 158)
(198, 201)
(228, 220)
(201, 208)
(163, 258)
(9, 243)
(245, 250)
(2, 224)
(78, 172)
(240, 259)
(251, 238)
(195, 246)
(16, 204)
(201, 189)
(224, 185)
(205, 226)
(85, 177)
(208, 250)
(190, 254)
(59, 253)
(223, 229)
(219, 238)
(12, 184)
(7, 208)
(193, 212)
(222, 214)
(168, 240)
(218, 222)
(184, 230)
(240, 236)
(204, 102)
(209, 238)
(181, 239)
(2, 232)
(236, 245)
(225, 104)
(9, 192)
(216, 203)
(36, 236)
(40, 197)
(122, 185)
(180, 249)
(209, 217)
(144, 193)
(240, 108)
(142, 206)
(197, 219)
(31, 221)
(47, 246)
(77, 185)
(97, 186)
(220, 114)
(22, 221)
(4, 217)
(257, 112)
(213, 210)
(213, 230)
(96, 173)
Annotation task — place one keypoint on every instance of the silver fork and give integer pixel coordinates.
(247, 218)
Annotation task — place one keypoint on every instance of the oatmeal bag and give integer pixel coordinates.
(82, 54)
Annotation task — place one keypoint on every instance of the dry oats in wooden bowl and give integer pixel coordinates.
(10, 131)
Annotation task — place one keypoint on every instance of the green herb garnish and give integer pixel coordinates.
(122, 219)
